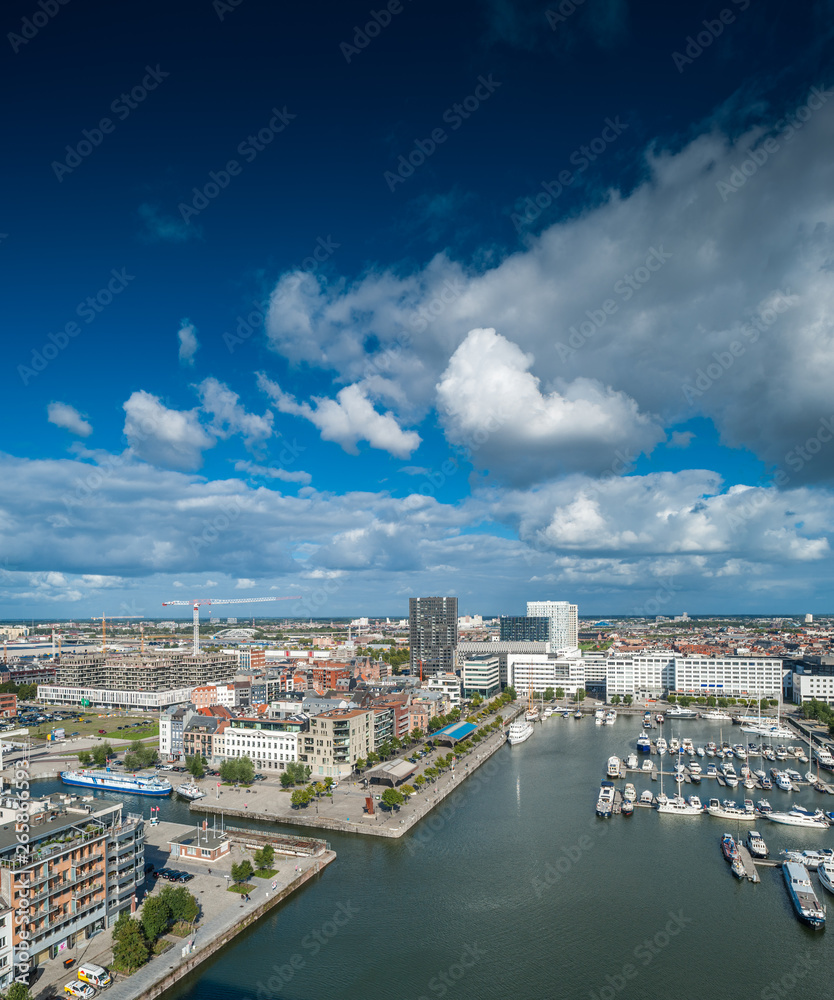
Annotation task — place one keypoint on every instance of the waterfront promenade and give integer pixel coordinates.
(345, 811)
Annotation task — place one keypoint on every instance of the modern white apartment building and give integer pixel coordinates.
(481, 674)
(449, 684)
(268, 748)
(564, 621)
(654, 674)
(806, 687)
(536, 672)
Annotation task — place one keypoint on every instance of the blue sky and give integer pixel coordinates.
(511, 301)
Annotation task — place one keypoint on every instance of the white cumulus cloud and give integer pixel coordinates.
(492, 404)
(171, 439)
(66, 416)
(348, 419)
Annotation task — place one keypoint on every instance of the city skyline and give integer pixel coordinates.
(356, 309)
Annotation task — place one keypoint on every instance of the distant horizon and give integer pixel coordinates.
(346, 619)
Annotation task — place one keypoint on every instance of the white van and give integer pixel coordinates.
(95, 976)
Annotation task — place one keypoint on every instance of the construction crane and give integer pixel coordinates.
(103, 619)
(209, 600)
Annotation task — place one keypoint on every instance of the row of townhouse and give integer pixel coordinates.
(328, 734)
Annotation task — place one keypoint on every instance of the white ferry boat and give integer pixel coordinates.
(518, 732)
(716, 715)
(613, 767)
(823, 755)
(127, 784)
(610, 718)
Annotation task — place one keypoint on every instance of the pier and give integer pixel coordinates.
(747, 861)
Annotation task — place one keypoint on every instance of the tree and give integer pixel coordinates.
(548, 694)
(723, 703)
(711, 701)
(156, 915)
(420, 780)
(407, 789)
(392, 798)
(580, 695)
(360, 763)
(85, 758)
(195, 766)
(416, 734)
(628, 699)
(242, 871)
(559, 693)
(509, 690)
(101, 753)
(264, 857)
(18, 991)
(246, 770)
(286, 779)
(131, 950)
(182, 904)
(615, 699)
(299, 797)
(373, 758)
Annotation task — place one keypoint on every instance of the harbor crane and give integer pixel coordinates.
(209, 600)
(105, 618)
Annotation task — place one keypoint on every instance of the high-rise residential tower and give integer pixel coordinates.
(433, 634)
(563, 618)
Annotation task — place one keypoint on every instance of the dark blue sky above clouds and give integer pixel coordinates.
(505, 299)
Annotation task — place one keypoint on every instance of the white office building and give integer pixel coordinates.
(531, 673)
(270, 749)
(649, 675)
(563, 618)
(481, 674)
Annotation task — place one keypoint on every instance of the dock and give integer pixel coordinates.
(747, 861)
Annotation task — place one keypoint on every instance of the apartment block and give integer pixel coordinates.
(336, 740)
(81, 869)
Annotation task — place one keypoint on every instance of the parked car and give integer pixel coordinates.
(102, 730)
(185, 877)
(80, 990)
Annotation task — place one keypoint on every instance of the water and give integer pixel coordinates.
(520, 891)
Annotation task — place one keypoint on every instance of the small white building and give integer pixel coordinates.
(448, 684)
